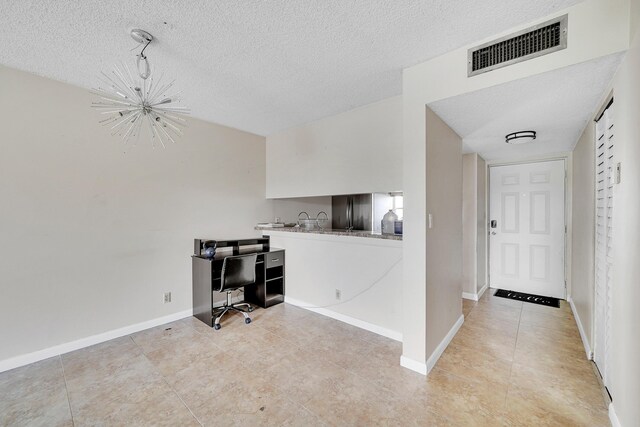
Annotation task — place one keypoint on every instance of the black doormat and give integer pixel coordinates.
(535, 299)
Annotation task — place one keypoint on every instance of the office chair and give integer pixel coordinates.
(237, 272)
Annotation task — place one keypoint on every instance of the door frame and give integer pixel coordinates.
(567, 157)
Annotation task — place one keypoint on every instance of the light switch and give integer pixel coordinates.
(430, 221)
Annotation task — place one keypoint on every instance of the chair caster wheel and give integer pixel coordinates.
(250, 309)
(247, 320)
(217, 326)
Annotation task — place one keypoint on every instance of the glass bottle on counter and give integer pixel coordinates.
(389, 222)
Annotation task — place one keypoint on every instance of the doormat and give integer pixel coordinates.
(535, 299)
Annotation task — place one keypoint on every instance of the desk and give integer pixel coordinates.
(268, 289)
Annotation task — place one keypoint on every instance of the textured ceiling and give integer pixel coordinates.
(556, 104)
(260, 66)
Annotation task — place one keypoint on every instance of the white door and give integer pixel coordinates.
(527, 228)
(605, 179)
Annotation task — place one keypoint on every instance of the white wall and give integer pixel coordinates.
(367, 271)
(596, 28)
(625, 334)
(583, 230)
(359, 151)
(94, 232)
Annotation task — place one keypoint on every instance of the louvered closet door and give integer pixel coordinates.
(604, 256)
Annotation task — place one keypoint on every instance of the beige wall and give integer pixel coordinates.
(625, 333)
(481, 228)
(93, 231)
(359, 151)
(583, 230)
(474, 225)
(444, 239)
(469, 223)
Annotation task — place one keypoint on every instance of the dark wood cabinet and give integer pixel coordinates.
(267, 291)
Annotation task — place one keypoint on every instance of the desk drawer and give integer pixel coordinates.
(274, 259)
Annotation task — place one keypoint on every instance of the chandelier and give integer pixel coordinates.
(131, 101)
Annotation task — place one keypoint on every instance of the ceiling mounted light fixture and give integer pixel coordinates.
(130, 102)
(521, 137)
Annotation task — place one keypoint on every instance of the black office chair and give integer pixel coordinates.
(237, 272)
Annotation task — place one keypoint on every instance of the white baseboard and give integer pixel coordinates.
(484, 288)
(583, 336)
(431, 362)
(469, 295)
(46, 353)
(394, 335)
(414, 365)
(475, 297)
(615, 422)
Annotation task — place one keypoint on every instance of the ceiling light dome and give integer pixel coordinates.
(521, 137)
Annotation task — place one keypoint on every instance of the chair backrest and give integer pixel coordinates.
(238, 271)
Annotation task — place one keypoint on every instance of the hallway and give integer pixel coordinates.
(510, 364)
(535, 359)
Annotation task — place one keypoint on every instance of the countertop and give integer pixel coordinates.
(354, 233)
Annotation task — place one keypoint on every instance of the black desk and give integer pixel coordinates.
(268, 289)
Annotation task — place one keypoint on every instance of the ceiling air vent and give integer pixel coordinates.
(539, 40)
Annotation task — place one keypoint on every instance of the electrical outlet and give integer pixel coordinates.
(167, 297)
(338, 294)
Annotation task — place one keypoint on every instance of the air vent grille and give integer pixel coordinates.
(540, 40)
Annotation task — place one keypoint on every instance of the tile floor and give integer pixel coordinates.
(510, 364)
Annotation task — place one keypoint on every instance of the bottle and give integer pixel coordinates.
(389, 222)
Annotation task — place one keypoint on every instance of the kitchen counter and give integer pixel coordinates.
(329, 231)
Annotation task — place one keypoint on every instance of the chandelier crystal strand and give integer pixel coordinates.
(129, 100)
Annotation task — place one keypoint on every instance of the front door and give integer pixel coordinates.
(527, 228)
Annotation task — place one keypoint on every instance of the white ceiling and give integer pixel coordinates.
(556, 104)
(260, 66)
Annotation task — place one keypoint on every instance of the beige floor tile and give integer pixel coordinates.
(542, 408)
(35, 395)
(580, 392)
(489, 300)
(28, 379)
(355, 401)
(493, 343)
(500, 321)
(467, 306)
(510, 364)
(465, 401)
(165, 336)
(470, 363)
(104, 357)
(548, 319)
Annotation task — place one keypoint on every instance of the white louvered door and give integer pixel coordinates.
(605, 173)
